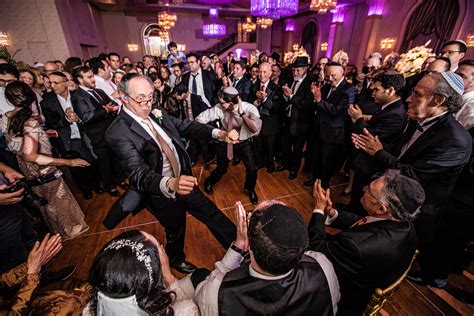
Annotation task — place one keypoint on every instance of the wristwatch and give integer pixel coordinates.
(237, 249)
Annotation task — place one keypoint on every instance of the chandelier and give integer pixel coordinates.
(264, 22)
(164, 35)
(273, 9)
(322, 6)
(166, 20)
(249, 26)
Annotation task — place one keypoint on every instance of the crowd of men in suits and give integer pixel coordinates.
(150, 127)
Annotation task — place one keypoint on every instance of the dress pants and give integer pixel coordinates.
(109, 167)
(327, 159)
(171, 213)
(292, 150)
(265, 147)
(86, 178)
(199, 146)
(246, 154)
(17, 236)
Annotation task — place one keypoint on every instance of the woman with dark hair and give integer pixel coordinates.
(165, 75)
(117, 77)
(162, 90)
(131, 276)
(71, 63)
(31, 146)
(151, 70)
(27, 76)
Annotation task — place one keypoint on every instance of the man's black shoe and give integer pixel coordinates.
(208, 187)
(123, 185)
(308, 183)
(87, 195)
(48, 277)
(99, 190)
(292, 175)
(184, 267)
(113, 192)
(252, 196)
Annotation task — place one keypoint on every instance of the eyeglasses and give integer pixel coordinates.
(4, 83)
(142, 102)
(449, 52)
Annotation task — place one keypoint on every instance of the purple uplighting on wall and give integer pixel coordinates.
(213, 12)
(214, 29)
(376, 7)
(289, 25)
(338, 15)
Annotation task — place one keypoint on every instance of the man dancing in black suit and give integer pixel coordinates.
(158, 167)
(372, 251)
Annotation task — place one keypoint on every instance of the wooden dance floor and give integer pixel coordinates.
(203, 250)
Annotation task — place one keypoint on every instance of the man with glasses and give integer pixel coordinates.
(455, 51)
(433, 150)
(372, 251)
(70, 143)
(149, 146)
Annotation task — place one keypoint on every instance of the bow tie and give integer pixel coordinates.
(421, 127)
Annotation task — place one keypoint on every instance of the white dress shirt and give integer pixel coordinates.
(465, 115)
(167, 171)
(66, 103)
(385, 105)
(5, 106)
(199, 86)
(105, 85)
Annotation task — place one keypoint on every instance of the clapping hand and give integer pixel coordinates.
(354, 112)
(43, 252)
(322, 198)
(241, 219)
(286, 90)
(367, 142)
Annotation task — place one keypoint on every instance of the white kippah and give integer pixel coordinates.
(231, 91)
(454, 80)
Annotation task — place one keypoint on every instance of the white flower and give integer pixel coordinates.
(157, 113)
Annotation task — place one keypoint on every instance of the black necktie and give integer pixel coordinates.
(97, 96)
(235, 82)
(194, 89)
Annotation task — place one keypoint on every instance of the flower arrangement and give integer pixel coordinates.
(410, 63)
(341, 57)
(298, 51)
(391, 60)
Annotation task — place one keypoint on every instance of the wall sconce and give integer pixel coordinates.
(387, 43)
(324, 46)
(470, 40)
(132, 47)
(295, 47)
(181, 47)
(4, 39)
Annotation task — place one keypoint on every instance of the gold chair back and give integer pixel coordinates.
(381, 296)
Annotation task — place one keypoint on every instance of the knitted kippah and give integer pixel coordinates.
(454, 80)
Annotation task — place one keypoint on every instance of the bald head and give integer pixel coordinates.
(335, 73)
(264, 72)
(138, 96)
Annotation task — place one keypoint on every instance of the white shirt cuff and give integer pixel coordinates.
(215, 133)
(164, 189)
(328, 221)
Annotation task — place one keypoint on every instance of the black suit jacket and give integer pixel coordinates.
(435, 160)
(365, 100)
(388, 125)
(55, 119)
(142, 159)
(244, 86)
(331, 117)
(270, 109)
(364, 257)
(95, 118)
(302, 112)
(208, 83)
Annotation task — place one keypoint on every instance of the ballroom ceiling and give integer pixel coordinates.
(144, 7)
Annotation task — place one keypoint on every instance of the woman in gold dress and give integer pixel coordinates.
(29, 142)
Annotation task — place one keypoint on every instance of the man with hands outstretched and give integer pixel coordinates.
(154, 158)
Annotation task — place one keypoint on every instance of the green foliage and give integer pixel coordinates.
(10, 57)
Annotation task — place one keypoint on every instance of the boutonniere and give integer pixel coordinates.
(158, 115)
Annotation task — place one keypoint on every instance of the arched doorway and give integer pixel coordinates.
(432, 20)
(155, 40)
(309, 38)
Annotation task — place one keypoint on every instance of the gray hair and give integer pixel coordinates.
(390, 197)
(124, 85)
(453, 99)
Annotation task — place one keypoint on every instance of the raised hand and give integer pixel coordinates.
(367, 142)
(354, 112)
(43, 252)
(241, 220)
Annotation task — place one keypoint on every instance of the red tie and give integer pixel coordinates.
(361, 221)
(262, 88)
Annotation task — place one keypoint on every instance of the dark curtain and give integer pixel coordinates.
(433, 19)
(308, 38)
